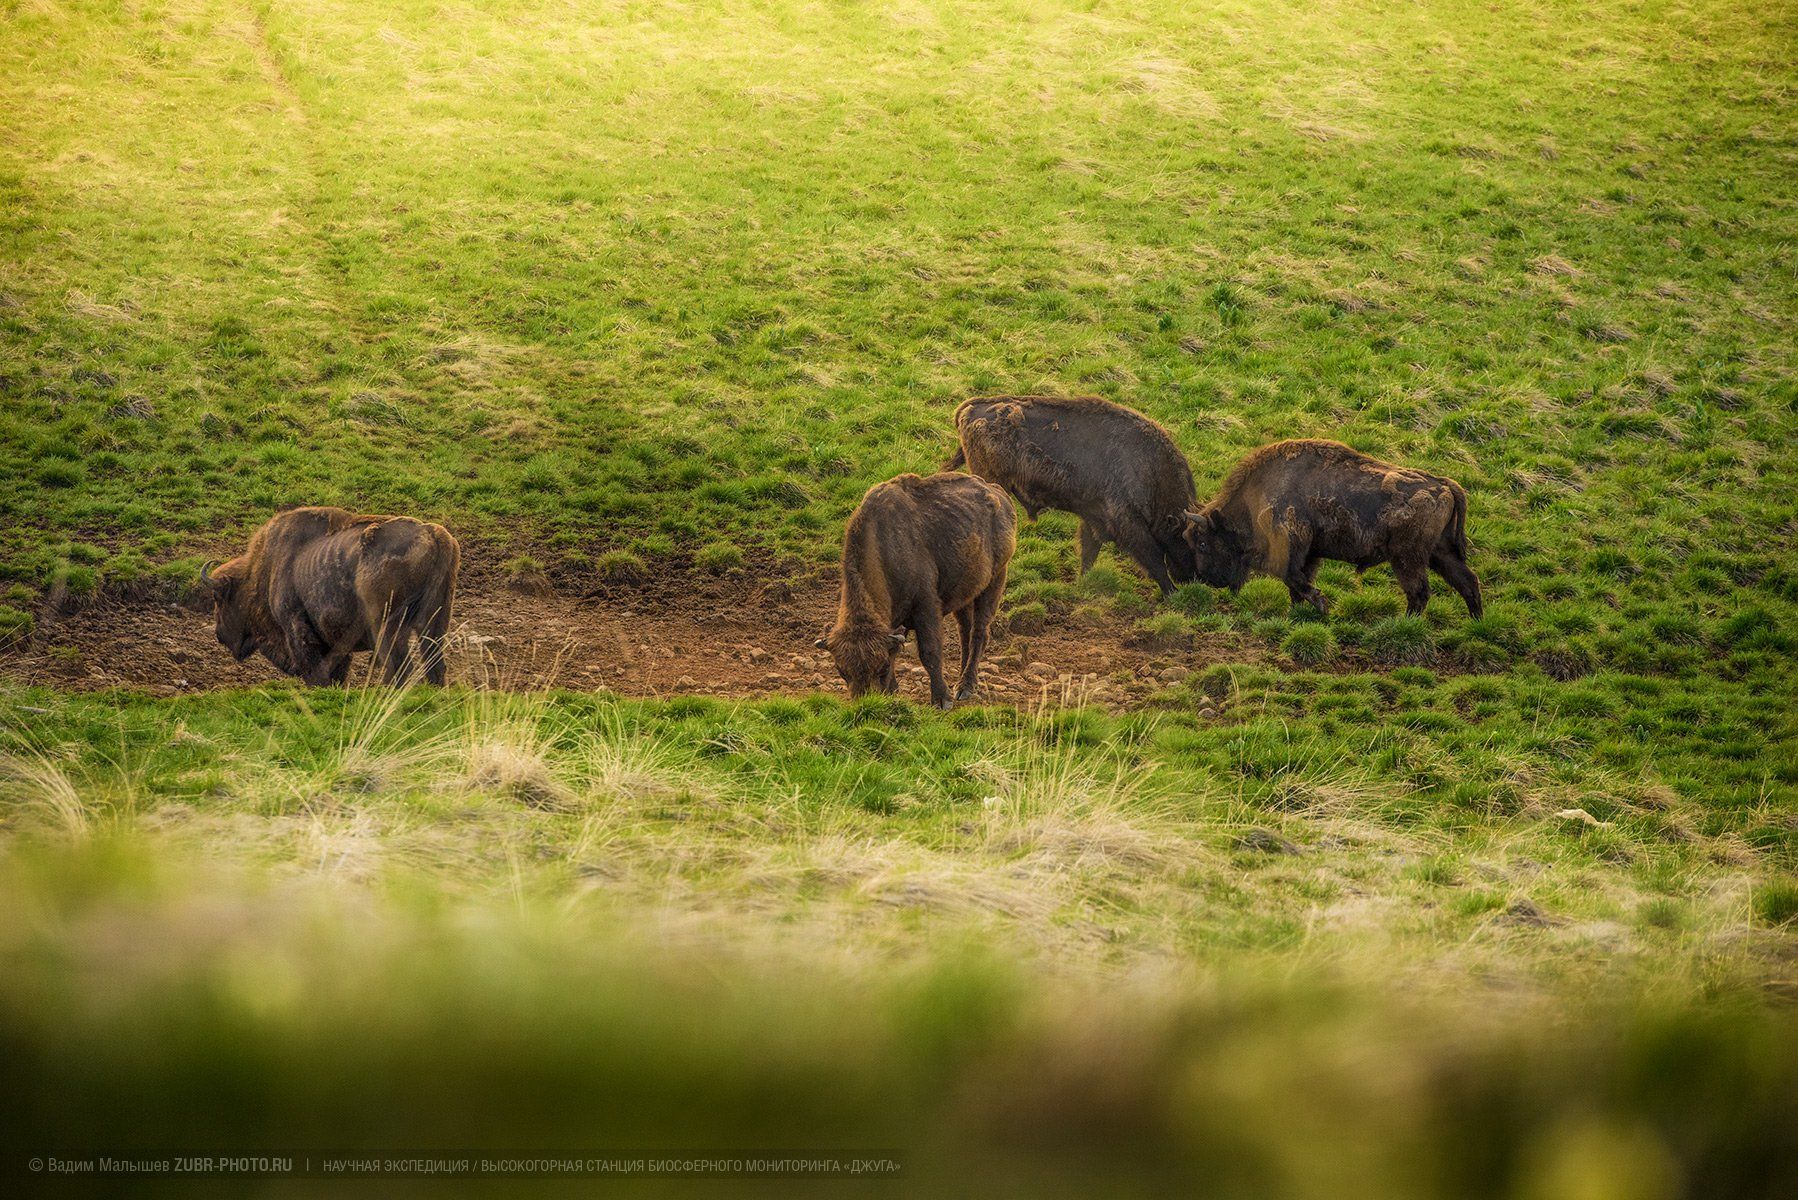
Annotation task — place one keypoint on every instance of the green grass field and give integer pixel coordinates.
(1408, 908)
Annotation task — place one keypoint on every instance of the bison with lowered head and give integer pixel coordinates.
(319, 584)
(1288, 506)
(1112, 467)
(916, 549)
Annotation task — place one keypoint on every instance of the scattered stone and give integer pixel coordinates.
(686, 683)
(1267, 842)
(757, 654)
(1175, 675)
(1039, 672)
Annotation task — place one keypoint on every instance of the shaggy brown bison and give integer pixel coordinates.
(1288, 506)
(1112, 467)
(914, 550)
(319, 584)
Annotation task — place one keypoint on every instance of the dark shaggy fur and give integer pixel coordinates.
(914, 550)
(1288, 506)
(1112, 467)
(319, 584)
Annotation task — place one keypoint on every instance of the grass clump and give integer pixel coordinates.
(1776, 901)
(1367, 605)
(1194, 599)
(1166, 631)
(620, 566)
(1399, 641)
(1264, 597)
(1026, 619)
(15, 626)
(1105, 581)
(718, 557)
(1309, 644)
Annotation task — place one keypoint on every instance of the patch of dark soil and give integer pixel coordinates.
(672, 632)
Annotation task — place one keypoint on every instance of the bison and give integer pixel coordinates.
(1112, 467)
(914, 550)
(318, 584)
(1288, 506)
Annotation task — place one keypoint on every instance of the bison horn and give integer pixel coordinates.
(821, 644)
(206, 570)
(898, 638)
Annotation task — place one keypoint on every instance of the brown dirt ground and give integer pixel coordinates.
(688, 633)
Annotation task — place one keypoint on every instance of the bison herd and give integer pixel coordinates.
(317, 585)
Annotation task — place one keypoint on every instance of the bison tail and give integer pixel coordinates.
(1457, 524)
(435, 612)
(957, 460)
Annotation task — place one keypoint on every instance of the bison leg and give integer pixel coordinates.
(964, 620)
(1460, 577)
(985, 605)
(1301, 574)
(1139, 543)
(1091, 539)
(435, 630)
(1414, 580)
(430, 648)
(929, 627)
(333, 668)
(305, 649)
(393, 646)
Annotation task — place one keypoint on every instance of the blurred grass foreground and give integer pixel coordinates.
(266, 921)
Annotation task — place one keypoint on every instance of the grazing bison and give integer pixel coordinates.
(319, 584)
(1288, 506)
(1112, 467)
(914, 550)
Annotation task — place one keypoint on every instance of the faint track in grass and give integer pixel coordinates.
(339, 294)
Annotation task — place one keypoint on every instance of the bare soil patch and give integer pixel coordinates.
(693, 633)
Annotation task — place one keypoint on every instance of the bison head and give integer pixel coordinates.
(230, 607)
(864, 656)
(1176, 551)
(1218, 559)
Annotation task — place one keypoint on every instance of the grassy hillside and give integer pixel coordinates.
(600, 278)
